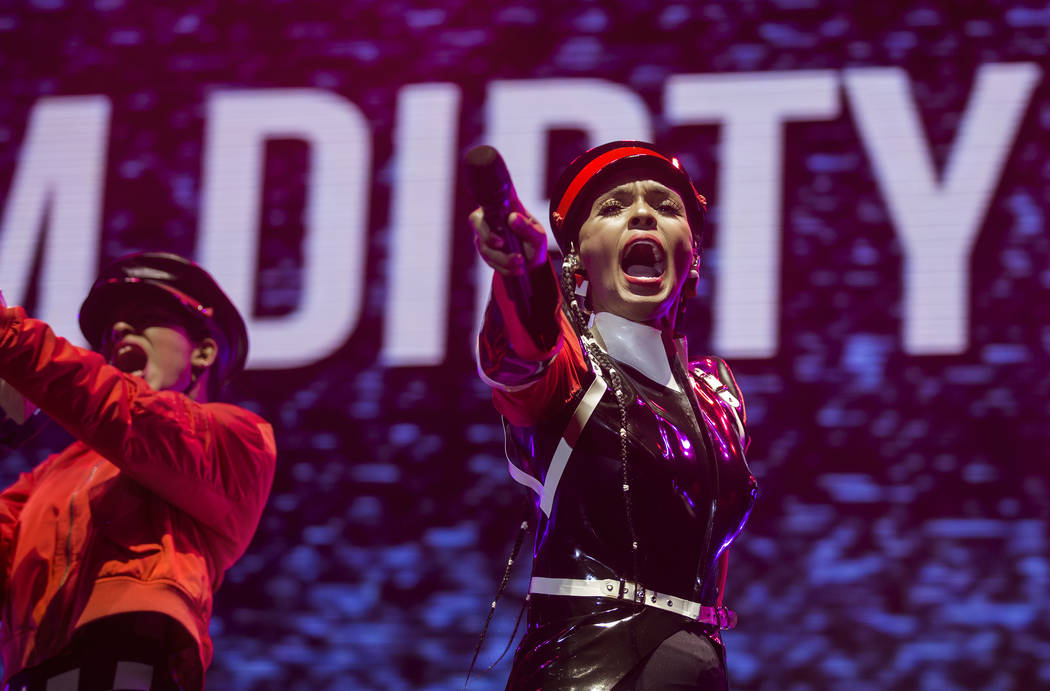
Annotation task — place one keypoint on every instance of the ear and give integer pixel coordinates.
(204, 354)
(689, 287)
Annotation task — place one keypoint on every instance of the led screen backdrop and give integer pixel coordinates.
(876, 270)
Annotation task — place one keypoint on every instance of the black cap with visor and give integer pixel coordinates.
(172, 283)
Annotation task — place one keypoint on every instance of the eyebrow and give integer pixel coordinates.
(626, 190)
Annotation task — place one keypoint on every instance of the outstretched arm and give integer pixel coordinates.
(213, 461)
(531, 329)
(528, 354)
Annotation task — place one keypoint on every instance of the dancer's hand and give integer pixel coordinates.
(11, 402)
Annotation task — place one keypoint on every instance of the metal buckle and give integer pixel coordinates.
(638, 594)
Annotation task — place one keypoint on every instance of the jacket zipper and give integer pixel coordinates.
(72, 515)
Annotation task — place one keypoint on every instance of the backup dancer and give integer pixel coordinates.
(111, 550)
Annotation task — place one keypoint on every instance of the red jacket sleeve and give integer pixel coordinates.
(533, 362)
(12, 500)
(213, 461)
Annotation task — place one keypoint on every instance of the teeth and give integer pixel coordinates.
(129, 358)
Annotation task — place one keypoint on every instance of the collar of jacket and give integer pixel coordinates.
(638, 345)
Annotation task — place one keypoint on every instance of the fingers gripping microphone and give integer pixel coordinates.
(489, 182)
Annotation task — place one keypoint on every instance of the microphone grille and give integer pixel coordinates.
(486, 175)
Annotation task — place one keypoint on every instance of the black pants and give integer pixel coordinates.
(144, 651)
(684, 661)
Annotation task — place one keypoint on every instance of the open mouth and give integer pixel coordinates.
(643, 261)
(129, 358)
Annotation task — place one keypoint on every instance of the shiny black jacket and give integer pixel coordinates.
(691, 492)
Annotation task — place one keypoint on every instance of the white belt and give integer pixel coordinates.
(610, 588)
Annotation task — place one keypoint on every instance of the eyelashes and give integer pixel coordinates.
(666, 207)
(670, 207)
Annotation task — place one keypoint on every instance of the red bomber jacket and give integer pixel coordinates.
(146, 512)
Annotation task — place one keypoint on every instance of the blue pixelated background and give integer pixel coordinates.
(900, 540)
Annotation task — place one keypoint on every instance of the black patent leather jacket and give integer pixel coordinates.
(691, 493)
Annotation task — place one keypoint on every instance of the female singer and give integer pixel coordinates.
(634, 453)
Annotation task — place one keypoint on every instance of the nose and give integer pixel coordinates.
(119, 330)
(642, 216)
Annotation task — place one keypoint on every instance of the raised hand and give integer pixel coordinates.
(491, 246)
